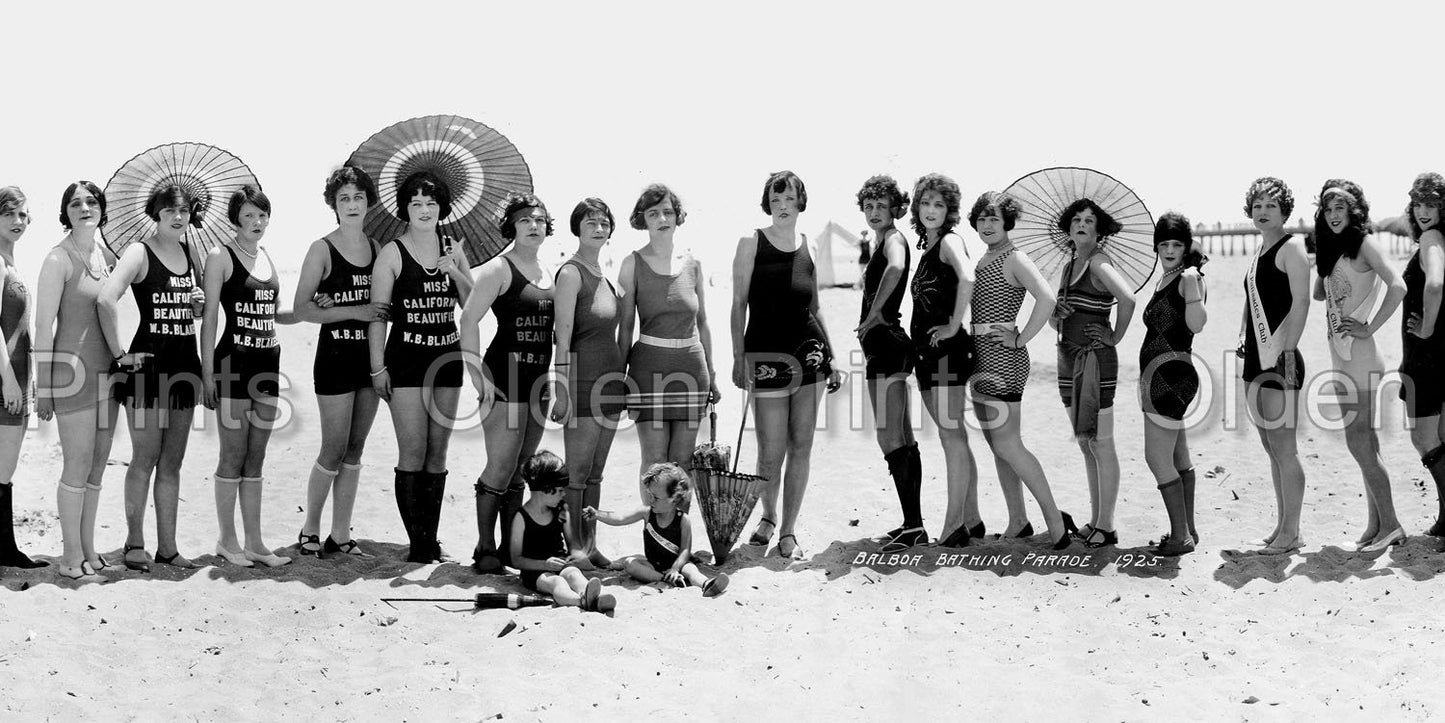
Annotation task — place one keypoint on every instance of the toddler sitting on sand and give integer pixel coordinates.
(667, 535)
(541, 538)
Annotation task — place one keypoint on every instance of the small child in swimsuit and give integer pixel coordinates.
(541, 538)
(667, 535)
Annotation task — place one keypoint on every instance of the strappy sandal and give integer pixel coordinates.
(346, 548)
(303, 540)
(1098, 537)
(758, 538)
(796, 554)
(100, 563)
(138, 566)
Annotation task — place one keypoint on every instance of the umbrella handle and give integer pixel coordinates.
(712, 424)
(738, 448)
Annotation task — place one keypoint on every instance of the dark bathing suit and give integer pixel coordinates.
(887, 350)
(171, 376)
(598, 385)
(935, 290)
(540, 542)
(423, 349)
(521, 353)
(1170, 385)
(343, 362)
(15, 323)
(248, 354)
(1275, 295)
(1423, 360)
(662, 545)
(785, 343)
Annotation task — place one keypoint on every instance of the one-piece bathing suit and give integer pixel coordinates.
(248, 354)
(785, 345)
(935, 290)
(1168, 380)
(887, 350)
(171, 375)
(342, 363)
(521, 353)
(1000, 371)
(423, 348)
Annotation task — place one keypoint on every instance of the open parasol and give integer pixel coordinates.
(1043, 196)
(727, 498)
(209, 174)
(478, 164)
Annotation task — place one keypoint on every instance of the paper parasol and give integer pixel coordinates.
(1043, 196)
(479, 165)
(209, 174)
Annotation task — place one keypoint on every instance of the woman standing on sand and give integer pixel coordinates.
(420, 277)
(1277, 303)
(781, 353)
(1168, 381)
(1088, 359)
(1002, 369)
(590, 369)
(511, 381)
(338, 267)
(72, 383)
(14, 373)
(1353, 272)
(160, 374)
(1424, 345)
(669, 369)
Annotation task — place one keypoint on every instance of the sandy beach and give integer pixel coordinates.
(996, 630)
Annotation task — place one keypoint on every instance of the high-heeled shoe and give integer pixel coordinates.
(235, 558)
(978, 531)
(1100, 537)
(959, 538)
(268, 559)
(175, 560)
(1069, 525)
(906, 539)
(1024, 532)
(1387, 541)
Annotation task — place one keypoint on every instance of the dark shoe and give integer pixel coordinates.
(138, 566)
(407, 493)
(978, 531)
(346, 548)
(758, 538)
(175, 560)
(906, 539)
(10, 555)
(1069, 525)
(1026, 531)
(888, 535)
(1169, 547)
(1437, 529)
(310, 544)
(959, 538)
(1063, 542)
(1098, 538)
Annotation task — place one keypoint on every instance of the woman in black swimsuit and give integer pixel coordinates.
(338, 268)
(1424, 339)
(421, 276)
(161, 371)
(781, 352)
(1277, 301)
(511, 381)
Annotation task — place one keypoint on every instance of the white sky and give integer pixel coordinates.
(1184, 104)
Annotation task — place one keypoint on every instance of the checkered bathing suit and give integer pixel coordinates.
(1001, 371)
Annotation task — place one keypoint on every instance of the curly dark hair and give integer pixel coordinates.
(1174, 226)
(779, 182)
(1000, 203)
(1103, 222)
(1330, 246)
(544, 471)
(242, 196)
(174, 195)
(515, 203)
(1274, 188)
(952, 198)
(651, 196)
(586, 207)
(1428, 188)
(427, 184)
(354, 176)
(884, 188)
(69, 194)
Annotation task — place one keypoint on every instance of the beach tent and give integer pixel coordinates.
(835, 254)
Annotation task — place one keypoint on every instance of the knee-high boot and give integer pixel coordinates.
(406, 495)
(10, 555)
(1435, 462)
(485, 557)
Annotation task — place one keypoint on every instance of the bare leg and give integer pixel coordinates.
(145, 452)
(1275, 405)
(802, 424)
(167, 491)
(1001, 422)
(1106, 459)
(945, 404)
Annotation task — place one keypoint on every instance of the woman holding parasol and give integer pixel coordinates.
(420, 276)
(1353, 273)
(1088, 359)
(591, 393)
(338, 266)
(240, 375)
(1277, 301)
(669, 369)
(510, 381)
(72, 385)
(1424, 339)
(160, 371)
(781, 353)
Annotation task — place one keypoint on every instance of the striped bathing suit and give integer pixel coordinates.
(1092, 304)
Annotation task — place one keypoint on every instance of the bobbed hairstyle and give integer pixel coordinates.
(1104, 223)
(586, 207)
(427, 184)
(11, 198)
(544, 471)
(242, 196)
(651, 196)
(884, 188)
(1273, 188)
(674, 480)
(1330, 246)
(69, 194)
(1174, 226)
(952, 198)
(995, 203)
(779, 182)
(1428, 188)
(174, 195)
(354, 176)
(516, 203)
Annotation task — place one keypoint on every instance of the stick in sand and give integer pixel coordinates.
(483, 600)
